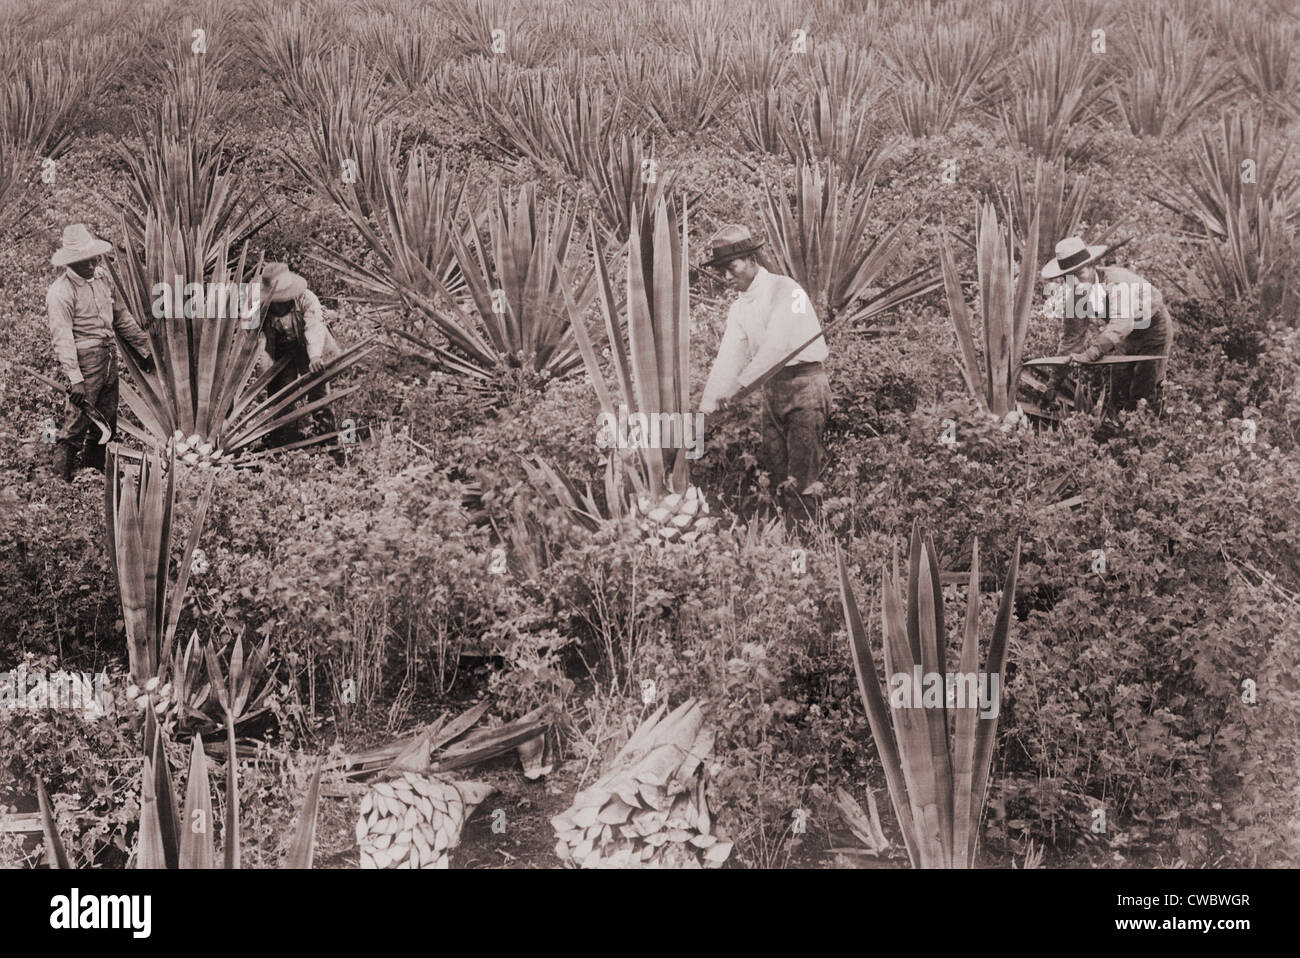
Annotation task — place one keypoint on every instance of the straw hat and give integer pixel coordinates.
(280, 284)
(730, 243)
(78, 245)
(1072, 254)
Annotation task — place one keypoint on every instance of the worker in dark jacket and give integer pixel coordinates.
(1137, 322)
(84, 314)
(295, 327)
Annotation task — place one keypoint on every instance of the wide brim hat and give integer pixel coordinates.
(1072, 254)
(78, 244)
(279, 283)
(731, 243)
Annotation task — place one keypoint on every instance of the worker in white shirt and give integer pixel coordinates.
(770, 319)
(86, 320)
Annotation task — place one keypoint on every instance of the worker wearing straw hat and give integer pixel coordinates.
(84, 314)
(1137, 322)
(770, 318)
(295, 327)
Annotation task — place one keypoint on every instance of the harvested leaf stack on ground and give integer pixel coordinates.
(649, 808)
(415, 820)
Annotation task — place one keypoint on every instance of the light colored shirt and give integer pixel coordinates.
(767, 322)
(1131, 303)
(307, 312)
(84, 313)
(1121, 296)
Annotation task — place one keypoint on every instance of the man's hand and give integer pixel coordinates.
(1089, 355)
(1077, 358)
(77, 392)
(316, 365)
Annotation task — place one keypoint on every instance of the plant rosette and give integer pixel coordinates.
(677, 517)
(193, 450)
(156, 695)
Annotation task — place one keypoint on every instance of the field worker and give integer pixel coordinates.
(295, 327)
(771, 318)
(84, 313)
(1137, 322)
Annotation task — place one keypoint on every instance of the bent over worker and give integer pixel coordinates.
(296, 328)
(84, 312)
(770, 318)
(1137, 321)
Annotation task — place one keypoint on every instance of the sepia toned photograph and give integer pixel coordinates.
(785, 435)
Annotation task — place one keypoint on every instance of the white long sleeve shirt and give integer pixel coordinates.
(764, 324)
(84, 313)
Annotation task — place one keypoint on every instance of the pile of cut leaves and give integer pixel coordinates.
(649, 807)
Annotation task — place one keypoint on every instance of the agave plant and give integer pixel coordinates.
(473, 26)
(18, 166)
(833, 128)
(39, 101)
(1241, 167)
(1043, 125)
(678, 25)
(1059, 209)
(345, 156)
(846, 72)
(948, 59)
(652, 368)
(1060, 64)
(822, 241)
(176, 172)
(410, 48)
(1174, 75)
(683, 95)
(203, 685)
(1265, 49)
(289, 37)
(627, 179)
(138, 510)
(485, 85)
(349, 140)
(406, 224)
(203, 395)
(162, 842)
(189, 68)
(765, 124)
(757, 64)
(556, 120)
(1253, 256)
(924, 110)
(937, 775)
(1006, 302)
(1058, 85)
(516, 274)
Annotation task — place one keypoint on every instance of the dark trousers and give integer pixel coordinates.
(1128, 382)
(796, 402)
(79, 437)
(316, 423)
(1133, 381)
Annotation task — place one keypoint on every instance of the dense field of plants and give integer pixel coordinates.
(468, 186)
